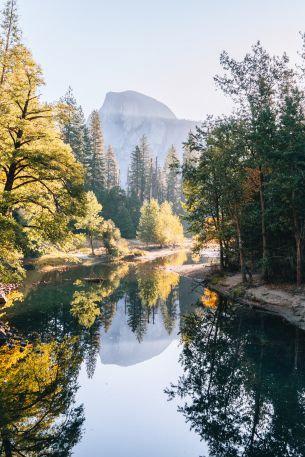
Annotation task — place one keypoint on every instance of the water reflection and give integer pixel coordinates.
(38, 416)
(71, 319)
(243, 387)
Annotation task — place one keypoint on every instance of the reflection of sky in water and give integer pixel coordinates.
(127, 412)
(256, 359)
(120, 346)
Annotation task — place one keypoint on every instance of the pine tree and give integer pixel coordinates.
(97, 162)
(140, 171)
(87, 156)
(190, 155)
(172, 179)
(10, 36)
(134, 174)
(73, 125)
(112, 169)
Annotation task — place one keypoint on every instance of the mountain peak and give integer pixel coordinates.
(134, 104)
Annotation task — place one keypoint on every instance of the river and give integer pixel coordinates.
(135, 361)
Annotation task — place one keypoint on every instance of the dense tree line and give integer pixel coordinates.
(52, 161)
(247, 187)
(41, 182)
(147, 179)
(49, 157)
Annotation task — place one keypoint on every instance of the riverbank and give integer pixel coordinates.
(283, 300)
(138, 253)
(203, 269)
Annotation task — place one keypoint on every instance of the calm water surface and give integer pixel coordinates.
(144, 364)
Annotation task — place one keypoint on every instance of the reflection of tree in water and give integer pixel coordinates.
(37, 390)
(243, 385)
(178, 258)
(209, 298)
(169, 310)
(137, 314)
(91, 300)
(154, 289)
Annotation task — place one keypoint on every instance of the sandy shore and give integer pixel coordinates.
(196, 270)
(288, 304)
(284, 301)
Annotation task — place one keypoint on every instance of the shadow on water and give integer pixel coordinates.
(243, 387)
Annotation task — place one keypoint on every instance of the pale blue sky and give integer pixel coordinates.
(168, 49)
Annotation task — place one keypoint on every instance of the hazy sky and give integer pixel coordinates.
(168, 49)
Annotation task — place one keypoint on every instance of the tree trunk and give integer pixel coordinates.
(263, 223)
(10, 178)
(299, 261)
(8, 187)
(221, 254)
(91, 243)
(6, 445)
(240, 247)
(298, 244)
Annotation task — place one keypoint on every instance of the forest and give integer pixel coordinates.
(246, 185)
(59, 184)
(240, 181)
(164, 285)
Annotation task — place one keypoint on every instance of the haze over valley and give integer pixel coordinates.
(127, 116)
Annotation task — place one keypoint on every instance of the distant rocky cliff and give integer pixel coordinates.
(126, 116)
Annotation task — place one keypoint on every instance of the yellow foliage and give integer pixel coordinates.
(210, 299)
(32, 391)
(155, 284)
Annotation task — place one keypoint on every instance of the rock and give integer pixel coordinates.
(126, 116)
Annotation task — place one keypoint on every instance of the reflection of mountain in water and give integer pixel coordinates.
(120, 346)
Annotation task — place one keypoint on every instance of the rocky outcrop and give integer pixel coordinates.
(126, 116)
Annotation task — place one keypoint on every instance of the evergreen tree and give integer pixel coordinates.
(254, 85)
(97, 162)
(73, 125)
(121, 210)
(135, 173)
(140, 171)
(172, 179)
(157, 182)
(10, 36)
(87, 156)
(112, 169)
